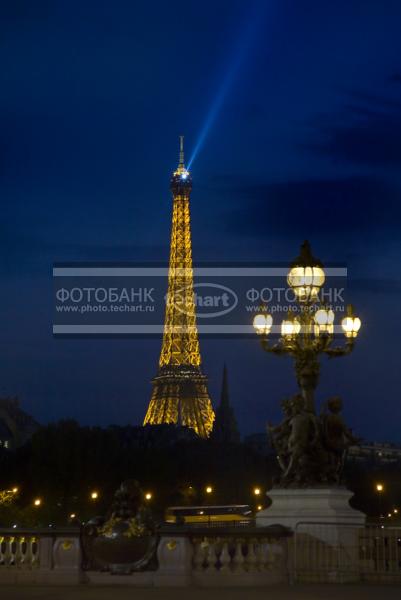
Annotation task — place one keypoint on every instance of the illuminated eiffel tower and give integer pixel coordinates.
(180, 392)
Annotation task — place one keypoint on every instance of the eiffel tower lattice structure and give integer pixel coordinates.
(180, 393)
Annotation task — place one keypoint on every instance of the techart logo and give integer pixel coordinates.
(210, 299)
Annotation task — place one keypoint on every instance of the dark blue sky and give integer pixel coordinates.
(305, 142)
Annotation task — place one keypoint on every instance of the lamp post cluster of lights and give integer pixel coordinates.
(309, 331)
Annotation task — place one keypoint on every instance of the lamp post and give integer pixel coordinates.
(310, 448)
(308, 333)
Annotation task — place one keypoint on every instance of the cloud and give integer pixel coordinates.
(314, 206)
(367, 131)
(27, 252)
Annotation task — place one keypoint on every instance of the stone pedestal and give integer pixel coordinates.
(291, 507)
(325, 545)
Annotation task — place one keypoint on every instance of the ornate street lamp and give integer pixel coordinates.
(310, 448)
(306, 275)
(307, 334)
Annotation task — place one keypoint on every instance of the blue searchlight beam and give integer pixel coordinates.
(241, 52)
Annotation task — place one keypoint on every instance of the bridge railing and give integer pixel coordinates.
(232, 556)
(216, 556)
(40, 555)
(248, 556)
(185, 556)
(339, 552)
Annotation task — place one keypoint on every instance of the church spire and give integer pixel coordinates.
(224, 398)
(225, 428)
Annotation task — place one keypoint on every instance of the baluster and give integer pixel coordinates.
(259, 556)
(20, 548)
(267, 559)
(277, 554)
(10, 550)
(225, 558)
(199, 555)
(2, 550)
(238, 559)
(245, 554)
(34, 551)
(29, 557)
(211, 555)
(251, 558)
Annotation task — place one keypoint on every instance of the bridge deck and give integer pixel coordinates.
(298, 592)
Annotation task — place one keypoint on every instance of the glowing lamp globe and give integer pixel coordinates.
(351, 324)
(262, 324)
(324, 321)
(306, 275)
(290, 327)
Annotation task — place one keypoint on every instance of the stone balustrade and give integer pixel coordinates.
(202, 557)
(223, 556)
(20, 550)
(40, 556)
(214, 557)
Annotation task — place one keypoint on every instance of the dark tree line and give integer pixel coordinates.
(64, 462)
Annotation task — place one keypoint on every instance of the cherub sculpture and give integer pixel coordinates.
(311, 450)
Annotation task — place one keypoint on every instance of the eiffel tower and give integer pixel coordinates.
(180, 392)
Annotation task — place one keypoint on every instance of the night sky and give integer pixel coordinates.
(297, 108)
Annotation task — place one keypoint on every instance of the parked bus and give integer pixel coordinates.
(238, 514)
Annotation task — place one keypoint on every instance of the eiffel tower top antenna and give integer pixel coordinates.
(181, 159)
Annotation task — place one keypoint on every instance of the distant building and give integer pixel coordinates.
(225, 428)
(6, 436)
(375, 452)
(16, 426)
(372, 452)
